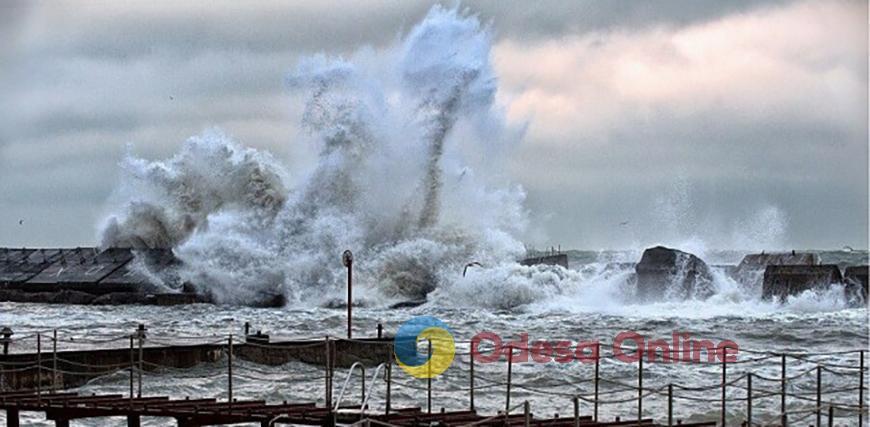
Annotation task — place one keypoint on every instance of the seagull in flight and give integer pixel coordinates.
(469, 265)
(623, 223)
(20, 222)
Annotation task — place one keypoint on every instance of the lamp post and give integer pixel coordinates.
(347, 260)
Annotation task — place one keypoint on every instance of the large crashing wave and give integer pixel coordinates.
(395, 181)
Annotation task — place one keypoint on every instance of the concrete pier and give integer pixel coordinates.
(76, 367)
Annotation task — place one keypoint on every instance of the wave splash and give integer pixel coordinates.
(401, 133)
(407, 177)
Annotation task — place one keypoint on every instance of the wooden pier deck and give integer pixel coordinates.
(64, 407)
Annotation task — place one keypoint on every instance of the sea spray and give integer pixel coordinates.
(408, 178)
(387, 184)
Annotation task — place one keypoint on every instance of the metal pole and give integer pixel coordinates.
(724, 380)
(429, 382)
(230, 370)
(347, 260)
(54, 361)
(818, 395)
(132, 365)
(507, 401)
(830, 416)
(670, 405)
(39, 366)
(639, 386)
(749, 399)
(576, 411)
(471, 378)
(389, 383)
(597, 363)
(861, 391)
(527, 413)
(327, 397)
(141, 358)
(783, 416)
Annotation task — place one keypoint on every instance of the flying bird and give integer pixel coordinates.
(20, 222)
(469, 265)
(623, 223)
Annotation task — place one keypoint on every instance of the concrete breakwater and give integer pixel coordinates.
(663, 270)
(127, 276)
(46, 368)
(93, 276)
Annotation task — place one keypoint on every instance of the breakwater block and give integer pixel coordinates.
(752, 266)
(781, 281)
(664, 272)
(762, 260)
(856, 281)
(556, 259)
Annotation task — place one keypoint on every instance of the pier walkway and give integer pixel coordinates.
(779, 388)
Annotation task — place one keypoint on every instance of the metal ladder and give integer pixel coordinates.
(367, 393)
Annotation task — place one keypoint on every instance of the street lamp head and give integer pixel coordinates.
(347, 258)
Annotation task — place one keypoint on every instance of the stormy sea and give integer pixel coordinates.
(410, 177)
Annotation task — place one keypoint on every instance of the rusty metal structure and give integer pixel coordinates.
(36, 382)
(64, 407)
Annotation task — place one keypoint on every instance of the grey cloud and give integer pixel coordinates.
(81, 80)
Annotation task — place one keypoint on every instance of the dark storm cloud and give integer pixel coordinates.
(623, 98)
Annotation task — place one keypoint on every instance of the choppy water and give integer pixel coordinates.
(810, 323)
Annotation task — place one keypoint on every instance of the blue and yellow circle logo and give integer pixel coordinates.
(421, 364)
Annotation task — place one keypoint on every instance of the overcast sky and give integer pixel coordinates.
(734, 124)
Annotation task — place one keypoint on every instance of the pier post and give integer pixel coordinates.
(429, 382)
(818, 395)
(347, 260)
(597, 363)
(527, 414)
(471, 377)
(783, 416)
(12, 417)
(132, 366)
(6, 339)
(830, 416)
(510, 360)
(724, 381)
(230, 370)
(576, 411)
(389, 384)
(39, 367)
(54, 360)
(134, 421)
(861, 390)
(327, 397)
(640, 386)
(749, 399)
(140, 333)
(670, 405)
